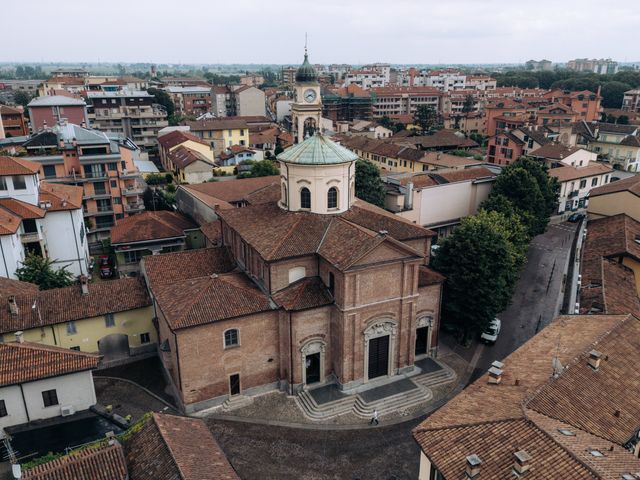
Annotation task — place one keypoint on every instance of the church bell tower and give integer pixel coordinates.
(306, 110)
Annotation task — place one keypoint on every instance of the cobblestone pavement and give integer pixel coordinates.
(266, 452)
(280, 407)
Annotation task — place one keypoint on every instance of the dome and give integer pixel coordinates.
(317, 150)
(306, 72)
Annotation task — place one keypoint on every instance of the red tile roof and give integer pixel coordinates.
(183, 157)
(27, 362)
(15, 287)
(198, 301)
(105, 462)
(176, 448)
(178, 266)
(213, 231)
(147, 226)
(555, 151)
(17, 166)
(21, 209)
(529, 406)
(306, 293)
(61, 197)
(568, 173)
(178, 137)
(233, 191)
(61, 305)
(631, 184)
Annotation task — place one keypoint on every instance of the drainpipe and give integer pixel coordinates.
(290, 355)
(75, 239)
(24, 402)
(4, 259)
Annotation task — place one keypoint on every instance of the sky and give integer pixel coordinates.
(339, 31)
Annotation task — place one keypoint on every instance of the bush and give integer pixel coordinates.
(168, 177)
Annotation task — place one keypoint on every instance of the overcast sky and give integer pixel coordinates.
(340, 31)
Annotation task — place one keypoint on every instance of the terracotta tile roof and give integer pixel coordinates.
(21, 209)
(178, 137)
(615, 293)
(61, 197)
(530, 404)
(9, 222)
(446, 160)
(198, 301)
(62, 305)
(631, 184)
(555, 151)
(213, 231)
(268, 194)
(440, 139)
(343, 243)
(610, 237)
(178, 266)
(183, 157)
(17, 166)
(567, 172)
(148, 226)
(306, 293)
(277, 234)
(466, 174)
(232, 191)
(616, 128)
(427, 276)
(7, 110)
(100, 463)
(176, 448)
(15, 287)
(26, 362)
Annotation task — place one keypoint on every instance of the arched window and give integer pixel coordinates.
(305, 198)
(284, 195)
(231, 338)
(332, 198)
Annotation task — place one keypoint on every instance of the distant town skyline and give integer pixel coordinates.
(357, 32)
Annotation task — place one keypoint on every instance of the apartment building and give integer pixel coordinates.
(46, 111)
(585, 104)
(577, 182)
(617, 144)
(602, 66)
(346, 104)
(631, 101)
(12, 122)
(480, 82)
(221, 133)
(366, 79)
(41, 218)
(191, 101)
(252, 80)
(248, 101)
(539, 65)
(389, 101)
(129, 113)
(103, 165)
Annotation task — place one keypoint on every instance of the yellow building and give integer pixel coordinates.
(221, 133)
(113, 318)
(622, 196)
(171, 141)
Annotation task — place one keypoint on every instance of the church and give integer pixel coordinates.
(310, 287)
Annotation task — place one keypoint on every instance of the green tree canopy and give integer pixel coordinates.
(427, 119)
(613, 93)
(481, 265)
(164, 99)
(22, 98)
(468, 104)
(369, 186)
(39, 270)
(260, 168)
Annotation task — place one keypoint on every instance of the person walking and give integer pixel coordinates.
(374, 418)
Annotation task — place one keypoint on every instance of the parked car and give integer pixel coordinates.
(490, 335)
(106, 270)
(575, 217)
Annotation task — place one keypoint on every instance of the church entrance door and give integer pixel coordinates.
(378, 357)
(312, 365)
(422, 337)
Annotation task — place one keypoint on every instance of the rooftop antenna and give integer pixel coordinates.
(305, 44)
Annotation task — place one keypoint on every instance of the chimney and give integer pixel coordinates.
(522, 462)
(595, 357)
(84, 284)
(495, 373)
(473, 466)
(13, 306)
(20, 336)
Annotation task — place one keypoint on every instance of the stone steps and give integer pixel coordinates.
(312, 410)
(392, 404)
(235, 402)
(430, 380)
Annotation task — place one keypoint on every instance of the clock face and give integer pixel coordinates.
(309, 95)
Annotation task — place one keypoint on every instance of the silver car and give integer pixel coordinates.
(490, 335)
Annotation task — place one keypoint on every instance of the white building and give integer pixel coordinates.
(366, 79)
(39, 382)
(39, 217)
(577, 182)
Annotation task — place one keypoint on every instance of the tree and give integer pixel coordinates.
(278, 150)
(469, 104)
(369, 186)
(479, 263)
(427, 119)
(261, 168)
(154, 199)
(39, 270)
(613, 93)
(22, 98)
(526, 185)
(164, 99)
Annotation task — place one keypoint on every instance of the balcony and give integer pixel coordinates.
(132, 191)
(29, 237)
(574, 194)
(127, 174)
(96, 195)
(134, 207)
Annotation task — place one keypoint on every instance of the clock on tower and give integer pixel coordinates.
(306, 111)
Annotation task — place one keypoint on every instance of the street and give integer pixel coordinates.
(538, 295)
